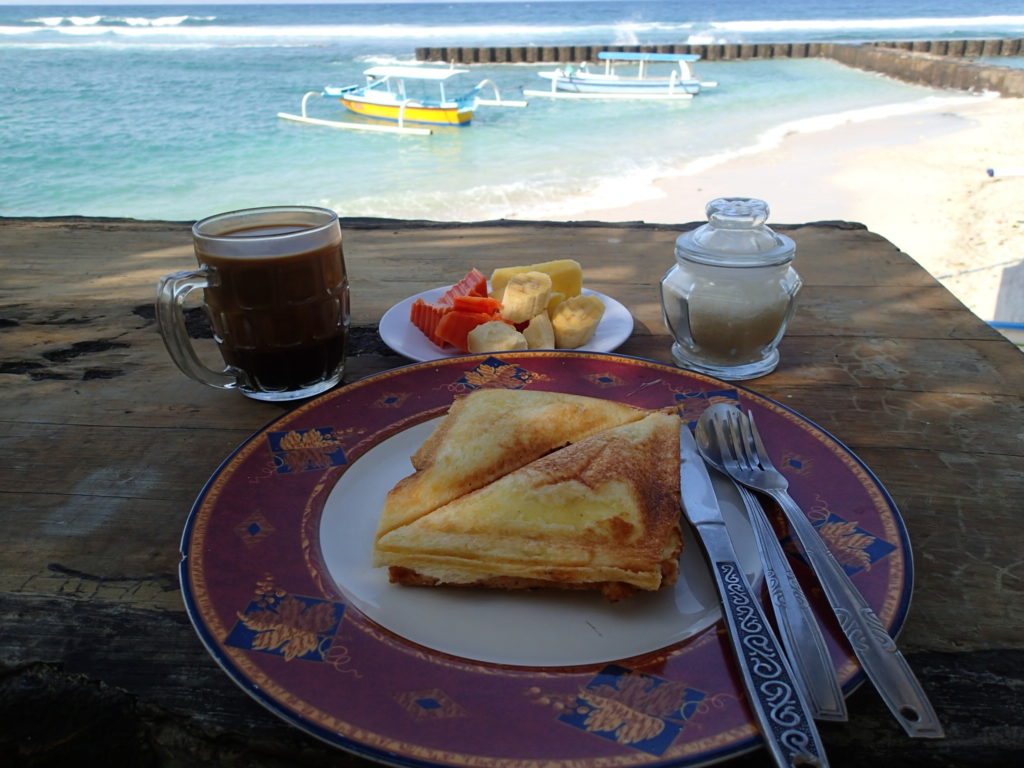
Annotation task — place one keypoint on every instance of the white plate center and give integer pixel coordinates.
(545, 628)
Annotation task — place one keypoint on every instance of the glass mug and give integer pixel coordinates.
(276, 291)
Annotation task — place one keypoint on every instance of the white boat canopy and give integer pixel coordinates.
(414, 73)
(626, 56)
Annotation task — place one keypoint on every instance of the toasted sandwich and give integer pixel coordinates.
(600, 513)
(488, 434)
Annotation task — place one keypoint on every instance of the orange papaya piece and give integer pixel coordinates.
(455, 326)
(484, 304)
(473, 284)
(426, 317)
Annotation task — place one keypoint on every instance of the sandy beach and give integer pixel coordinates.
(920, 180)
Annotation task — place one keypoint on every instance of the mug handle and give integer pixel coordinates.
(170, 319)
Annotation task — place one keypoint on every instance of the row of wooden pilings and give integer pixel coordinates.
(935, 63)
(565, 54)
(933, 70)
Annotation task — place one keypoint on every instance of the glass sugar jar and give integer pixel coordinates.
(729, 297)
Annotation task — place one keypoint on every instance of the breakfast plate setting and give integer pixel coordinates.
(277, 579)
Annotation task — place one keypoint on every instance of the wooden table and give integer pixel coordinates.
(106, 445)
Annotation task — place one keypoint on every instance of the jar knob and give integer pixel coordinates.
(737, 212)
(735, 235)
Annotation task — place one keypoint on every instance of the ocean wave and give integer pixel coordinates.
(128, 45)
(384, 60)
(921, 22)
(525, 33)
(539, 197)
(117, 21)
(633, 185)
(343, 31)
(824, 30)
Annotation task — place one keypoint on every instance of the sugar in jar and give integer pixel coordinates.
(729, 298)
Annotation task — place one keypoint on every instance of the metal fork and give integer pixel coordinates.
(747, 461)
(798, 626)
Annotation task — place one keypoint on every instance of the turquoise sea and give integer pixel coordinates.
(170, 111)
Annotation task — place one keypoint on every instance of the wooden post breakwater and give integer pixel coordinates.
(936, 63)
(932, 69)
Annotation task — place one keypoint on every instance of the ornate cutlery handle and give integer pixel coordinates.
(798, 626)
(882, 661)
(775, 696)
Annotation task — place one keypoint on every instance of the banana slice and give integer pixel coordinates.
(525, 296)
(575, 320)
(495, 336)
(539, 333)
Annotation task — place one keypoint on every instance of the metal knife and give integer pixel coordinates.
(779, 704)
(798, 627)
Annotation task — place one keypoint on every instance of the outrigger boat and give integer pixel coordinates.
(397, 93)
(581, 82)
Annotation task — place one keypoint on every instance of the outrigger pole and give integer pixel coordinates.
(304, 118)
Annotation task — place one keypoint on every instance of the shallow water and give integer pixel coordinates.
(171, 112)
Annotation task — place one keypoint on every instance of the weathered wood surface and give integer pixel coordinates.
(106, 445)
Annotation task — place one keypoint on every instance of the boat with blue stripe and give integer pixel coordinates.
(642, 82)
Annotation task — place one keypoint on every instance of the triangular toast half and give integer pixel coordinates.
(602, 513)
(488, 434)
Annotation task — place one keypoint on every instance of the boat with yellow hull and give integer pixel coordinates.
(410, 113)
(407, 94)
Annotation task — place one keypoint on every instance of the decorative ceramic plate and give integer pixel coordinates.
(404, 338)
(277, 580)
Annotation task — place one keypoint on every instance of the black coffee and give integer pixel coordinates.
(280, 320)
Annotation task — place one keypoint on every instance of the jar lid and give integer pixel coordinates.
(736, 236)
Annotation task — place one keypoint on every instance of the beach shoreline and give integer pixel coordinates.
(918, 179)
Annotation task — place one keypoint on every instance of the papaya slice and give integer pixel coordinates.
(426, 316)
(455, 326)
(484, 304)
(473, 284)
